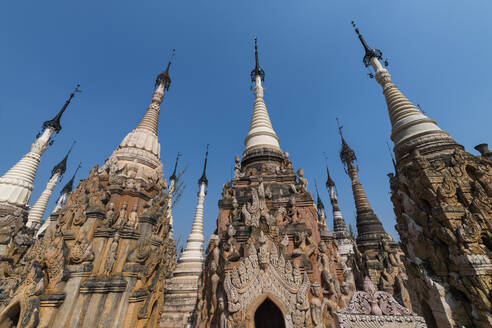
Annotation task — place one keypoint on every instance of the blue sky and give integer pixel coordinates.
(439, 54)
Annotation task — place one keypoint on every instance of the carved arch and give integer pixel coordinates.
(279, 302)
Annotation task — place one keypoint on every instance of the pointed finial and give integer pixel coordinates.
(69, 185)
(173, 176)
(62, 166)
(347, 155)
(257, 71)
(319, 202)
(329, 182)
(55, 122)
(203, 178)
(164, 76)
(370, 53)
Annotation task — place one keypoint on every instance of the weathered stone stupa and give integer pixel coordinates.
(270, 262)
(441, 196)
(105, 261)
(379, 257)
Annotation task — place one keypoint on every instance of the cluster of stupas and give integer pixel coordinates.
(106, 257)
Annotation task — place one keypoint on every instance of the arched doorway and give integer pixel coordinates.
(268, 315)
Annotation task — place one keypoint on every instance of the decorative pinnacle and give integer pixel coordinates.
(370, 53)
(257, 71)
(203, 178)
(173, 176)
(164, 76)
(319, 203)
(347, 155)
(329, 182)
(55, 122)
(69, 186)
(62, 166)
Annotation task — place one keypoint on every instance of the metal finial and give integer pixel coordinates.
(55, 122)
(164, 76)
(370, 53)
(62, 166)
(347, 155)
(203, 178)
(319, 202)
(69, 185)
(173, 176)
(257, 71)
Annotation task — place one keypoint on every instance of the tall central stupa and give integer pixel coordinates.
(270, 262)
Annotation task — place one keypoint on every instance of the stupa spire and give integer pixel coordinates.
(150, 120)
(182, 289)
(410, 127)
(339, 225)
(17, 184)
(69, 185)
(67, 189)
(54, 123)
(369, 227)
(140, 149)
(173, 175)
(191, 259)
(37, 211)
(203, 179)
(170, 192)
(261, 133)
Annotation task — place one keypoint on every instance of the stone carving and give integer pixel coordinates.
(237, 168)
(442, 204)
(109, 215)
(81, 251)
(317, 306)
(121, 219)
(302, 181)
(112, 254)
(54, 262)
(133, 218)
(371, 301)
(330, 281)
(257, 275)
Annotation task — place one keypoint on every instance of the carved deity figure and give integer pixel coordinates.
(109, 215)
(263, 255)
(222, 317)
(111, 258)
(232, 247)
(324, 264)
(317, 307)
(122, 215)
(302, 181)
(235, 214)
(237, 167)
(132, 218)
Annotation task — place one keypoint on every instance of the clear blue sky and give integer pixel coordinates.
(439, 54)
